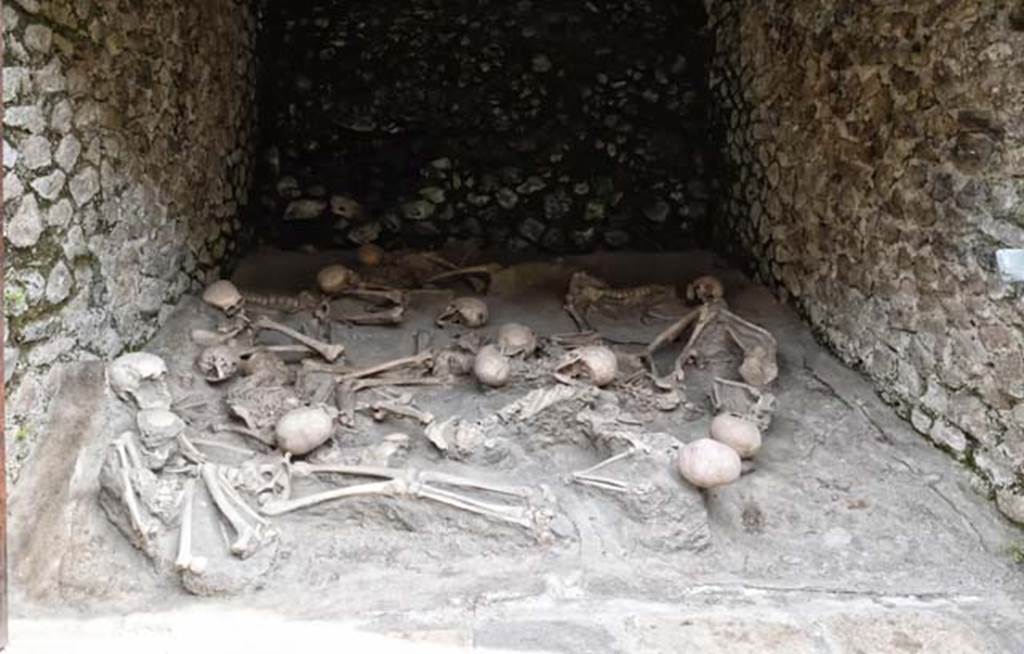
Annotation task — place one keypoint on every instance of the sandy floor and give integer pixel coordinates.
(851, 534)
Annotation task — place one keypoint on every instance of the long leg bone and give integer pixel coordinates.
(139, 524)
(329, 351)
(416, 359)
(392, 316)
(248, 537)
(479, 277)
(587, 478)
(381, 295)
(408, 483)
(185, 560)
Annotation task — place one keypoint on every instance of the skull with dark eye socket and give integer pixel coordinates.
(705, 289)
(597, 363)
(218, 363)
(465, 311)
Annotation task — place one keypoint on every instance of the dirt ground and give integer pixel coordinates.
(849, 532)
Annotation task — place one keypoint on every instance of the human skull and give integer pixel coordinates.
(140, 378)
(225, 296)
(336, 278)
(302, 430)
(738, 433)
(491, 367)
(705, 289)
(158, 434)
(595, 362)
(706, 463)
(465, 311)
(218, 363)
(514, 339)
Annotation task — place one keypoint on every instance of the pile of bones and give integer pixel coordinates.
(152, 475)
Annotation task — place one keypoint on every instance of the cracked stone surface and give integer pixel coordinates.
(852, 534)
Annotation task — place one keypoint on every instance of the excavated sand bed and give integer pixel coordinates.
(850, 531)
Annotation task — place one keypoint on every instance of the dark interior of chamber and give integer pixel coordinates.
(551, 127)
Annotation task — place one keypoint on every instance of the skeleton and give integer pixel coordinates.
(225, 296)
(140, 378)
(587, 292)
(465, 311)
(416, 484)
(759, 366)
(595, 362)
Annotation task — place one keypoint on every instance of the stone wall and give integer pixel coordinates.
(557, 125)
(126, 142)
(874, 161)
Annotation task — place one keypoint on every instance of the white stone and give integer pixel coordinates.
(29, 6)
(1011, 504)
(25, 228)
(39, 38)
(75, 244)
(85, 185)
(10, 156)
(946, 434)
(921, 421)
(50, 351)
(17, 82)
(60, 117)
(50, 78)
(60, 214)
(59, 283)
(11, 18)
(28, 117)
(13, 188)
(68, 151)
(50, 186)
(35, 152)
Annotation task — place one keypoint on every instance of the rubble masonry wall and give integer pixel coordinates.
(874, 162)
(126, 142)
